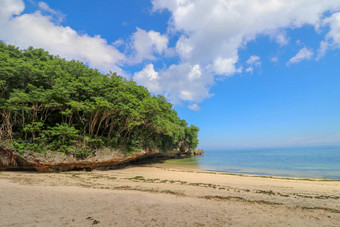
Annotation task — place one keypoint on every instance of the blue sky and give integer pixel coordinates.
(249, 73)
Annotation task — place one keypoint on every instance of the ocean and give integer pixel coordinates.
(315, 162)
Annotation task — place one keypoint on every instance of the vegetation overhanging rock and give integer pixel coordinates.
(52, 106)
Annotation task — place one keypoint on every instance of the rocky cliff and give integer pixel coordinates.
(101, 159)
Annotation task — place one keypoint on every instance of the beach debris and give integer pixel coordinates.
(95, 222)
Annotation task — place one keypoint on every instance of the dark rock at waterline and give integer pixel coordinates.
(197, 152)
(101, 159)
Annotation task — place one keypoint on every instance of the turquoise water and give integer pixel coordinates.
(320, 162)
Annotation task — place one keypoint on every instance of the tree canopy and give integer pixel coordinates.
(49, 103)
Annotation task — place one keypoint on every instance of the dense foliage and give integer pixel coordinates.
(48, 103)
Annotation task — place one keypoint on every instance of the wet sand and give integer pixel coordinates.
(163, 195)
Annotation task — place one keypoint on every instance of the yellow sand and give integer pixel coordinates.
(161, 196)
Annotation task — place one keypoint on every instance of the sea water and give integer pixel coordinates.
(318, 162)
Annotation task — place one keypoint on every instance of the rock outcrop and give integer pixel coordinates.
(197, 152)
(9, 158)
(101, 159)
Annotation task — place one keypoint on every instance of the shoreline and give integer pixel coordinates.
(165, 164)
(152, 195)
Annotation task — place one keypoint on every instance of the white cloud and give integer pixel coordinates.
(279, 36)
(195, 73)
(40, 31)
(183, 47)
(118, 42)
(303, 54)
(282, 39)
(274, 59)
(195, 107)
(332, 39)
(211, 33)
(9, 8)
(147, 44)
(254, 60)
(218, 28)
(45, 7)
(225, 66)
(148, 77)
(183, 82)
(250, 69)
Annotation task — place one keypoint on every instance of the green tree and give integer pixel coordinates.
(47, 102)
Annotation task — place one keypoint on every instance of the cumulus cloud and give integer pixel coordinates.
(147, 44)
(206, 37)
(40, 31)
(303, 54)
(9, 8)
(211, 33)
(182, 82)
(149, 78)
(226, 66)
(218, 28)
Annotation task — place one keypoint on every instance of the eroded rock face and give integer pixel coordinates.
(54, 158)
(8, 158)
(56, 161)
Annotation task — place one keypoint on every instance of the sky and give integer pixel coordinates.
(248, 73)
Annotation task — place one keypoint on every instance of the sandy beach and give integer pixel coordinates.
(160, 195)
